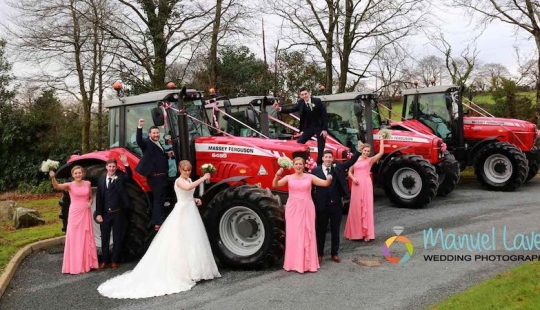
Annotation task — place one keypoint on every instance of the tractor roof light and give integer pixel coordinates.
(415, 82)
(118, 87)
(171, 85)
(432, 81)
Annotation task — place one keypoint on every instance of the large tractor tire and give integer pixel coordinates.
(501, 166)
(246, 227)
(533, 163)
(449, 180)
(410, 181)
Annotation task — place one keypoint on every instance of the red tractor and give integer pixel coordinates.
(243, 217)
(409, 180)
(502, 151)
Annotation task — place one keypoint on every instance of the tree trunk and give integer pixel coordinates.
(214, 45)
(347, 46)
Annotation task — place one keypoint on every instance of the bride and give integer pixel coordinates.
(179, 255)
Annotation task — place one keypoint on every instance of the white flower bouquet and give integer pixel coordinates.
(208, 168)
(49, 165)
(285, 162)
(385, 133)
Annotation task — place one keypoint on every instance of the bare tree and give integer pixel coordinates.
(522, 14)
(229, 21)
(311, 25)
(391, 70)
(367, 27)
(459, 68)
(151, 32)
(488, 76)
(430, 67)
(64, 46)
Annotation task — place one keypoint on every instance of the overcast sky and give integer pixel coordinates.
(495, 44)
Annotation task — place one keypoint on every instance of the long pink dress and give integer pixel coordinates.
(300, 238)
(360, 222)
(80, 254)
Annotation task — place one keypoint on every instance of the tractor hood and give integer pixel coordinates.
(414, 124)
(518, 132)
(503, 123)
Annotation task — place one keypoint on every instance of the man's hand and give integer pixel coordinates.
(198, 202)
(324, 134)
(276, 106)
(123, 158)
(99, 219)
(141, 122)
(171, 154)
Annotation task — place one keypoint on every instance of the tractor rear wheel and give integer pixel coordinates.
(410, 181)
(449, 180)
(246, 227)
(501, 166)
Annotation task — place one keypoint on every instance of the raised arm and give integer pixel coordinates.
(348, 164)
(291, 109)
(55, 183)
(140, 141)
(282, 182)
(378, 156)
(320, 182)
(189, 186)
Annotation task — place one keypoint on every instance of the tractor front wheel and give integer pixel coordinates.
(410, 181)
(450, 179)
(246, 227)
(501, 166)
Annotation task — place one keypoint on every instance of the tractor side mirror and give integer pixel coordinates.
(158, 117)
(227, 106)
(250, 117)
(358, 109)
(228, 109)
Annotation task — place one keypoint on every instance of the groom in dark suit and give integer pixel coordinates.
(111, 199)
(154, 165)
(313, 119)
(328, 204)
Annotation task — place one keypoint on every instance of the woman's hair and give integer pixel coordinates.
(299, 158)
(364, 146)
(77, 167)
(185, 164)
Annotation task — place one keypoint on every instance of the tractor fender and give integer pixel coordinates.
(221, 185)
(480, 145)
(388, 158)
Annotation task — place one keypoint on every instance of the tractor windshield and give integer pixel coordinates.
(434, 110)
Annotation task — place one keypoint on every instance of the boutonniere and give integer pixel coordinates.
(114, 178)
(334, 165)
(312, 105)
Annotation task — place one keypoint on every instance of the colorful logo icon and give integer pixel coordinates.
(388, 243)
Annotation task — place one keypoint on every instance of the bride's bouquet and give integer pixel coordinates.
(285, 162)
(208, 168)
(385, 133)
(49, 165)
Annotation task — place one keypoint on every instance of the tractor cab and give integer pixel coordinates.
(437, 108)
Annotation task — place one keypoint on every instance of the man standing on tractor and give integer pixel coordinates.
(154, 166)
(313, 119)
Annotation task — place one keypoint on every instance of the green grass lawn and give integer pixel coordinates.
(12, 240)
(518, 288)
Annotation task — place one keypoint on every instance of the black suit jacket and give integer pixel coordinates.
(316, 117)
(339, 188)
(118, 197)
(154, 159)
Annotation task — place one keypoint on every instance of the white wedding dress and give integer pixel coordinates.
(179, 256)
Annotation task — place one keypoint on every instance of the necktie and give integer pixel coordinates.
(109, 184)
(327, 171)
(309, 105)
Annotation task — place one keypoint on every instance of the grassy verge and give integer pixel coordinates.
(517, 288)
(12, 240)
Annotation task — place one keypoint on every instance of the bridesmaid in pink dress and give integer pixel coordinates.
(80, 254)
(300, 238)
(360, 223)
